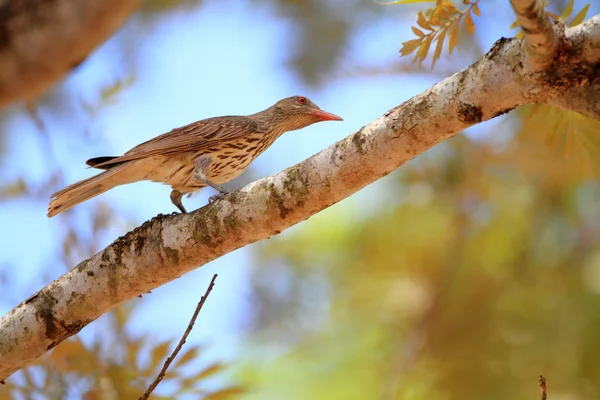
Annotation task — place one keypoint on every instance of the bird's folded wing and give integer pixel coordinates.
(197, 136)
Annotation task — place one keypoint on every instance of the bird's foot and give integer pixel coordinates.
(202, 178)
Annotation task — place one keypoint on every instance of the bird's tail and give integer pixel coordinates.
(91, 187)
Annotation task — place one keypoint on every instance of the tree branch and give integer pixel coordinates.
(580, 99)
(42, 40)
(170, 359)
(167, 247)
(540, 39)
(543, 387)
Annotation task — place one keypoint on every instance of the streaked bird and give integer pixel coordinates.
(209, 152)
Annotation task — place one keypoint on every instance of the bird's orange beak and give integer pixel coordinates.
(325, 116)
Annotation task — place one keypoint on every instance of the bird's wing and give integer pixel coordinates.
(197, 136)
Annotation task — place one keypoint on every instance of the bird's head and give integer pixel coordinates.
(297, 112)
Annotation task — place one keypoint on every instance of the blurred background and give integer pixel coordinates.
(465, 274)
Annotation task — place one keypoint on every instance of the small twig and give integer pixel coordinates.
(542, 381)
(539, 36)
(163, 371)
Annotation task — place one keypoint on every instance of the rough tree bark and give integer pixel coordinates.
(167, 247)
(540, 40)
(42, 40)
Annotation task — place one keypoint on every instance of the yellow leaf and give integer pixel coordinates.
(159, 354)
(589, 126)
(28, 379)
(564, 16)
(225, 394)
(569, 139)
(133, 349)
(453, 37)
(188, 356)
(417, 31)
(581, 158)
(476, 9)
(441, 14)
(469, 24)
(449, 7)
(580, 16)
(424, 49)
(423, 22)
(552, 15)
(210, 370)
(438, 48)
(5, 396)
(410, 46)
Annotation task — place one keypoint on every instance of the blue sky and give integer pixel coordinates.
(215, 60)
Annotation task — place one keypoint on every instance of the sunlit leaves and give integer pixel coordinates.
(575, 135)
(469, 24)
(492, 234)
(580, 16)
(125, 369)
(225, 394)
(434, 25)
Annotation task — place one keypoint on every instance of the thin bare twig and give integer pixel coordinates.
(542, 381)
(163, 371)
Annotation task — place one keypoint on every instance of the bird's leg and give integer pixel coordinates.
(176, 196)
(202, 167)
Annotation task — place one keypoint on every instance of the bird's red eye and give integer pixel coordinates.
(302, 100)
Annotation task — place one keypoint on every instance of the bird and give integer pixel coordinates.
(209, 152)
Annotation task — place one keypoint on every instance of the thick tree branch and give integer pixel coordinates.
(540, 39)
(585, 100)
(42, 40)
(580, 90)
(167, 247)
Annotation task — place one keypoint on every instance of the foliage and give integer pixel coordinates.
(580, 132)
(480, 273)
(468, 274)
(121, 370)
(439, 20)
